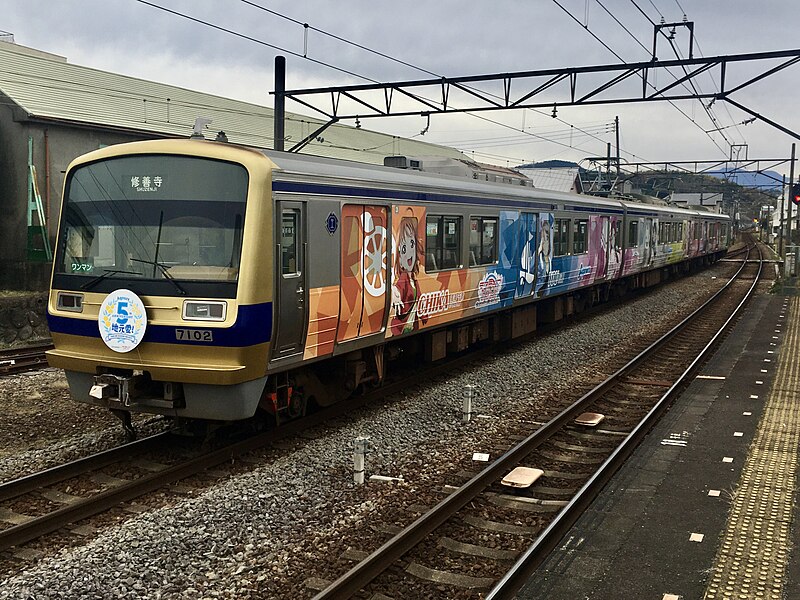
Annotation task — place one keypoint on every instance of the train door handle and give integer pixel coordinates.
(300, 294)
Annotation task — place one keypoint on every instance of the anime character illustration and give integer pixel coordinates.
(408, 252)
(544, 255)
(614, 250)
(598, 250)
(527, 260)
(644, 242)
(653, 249)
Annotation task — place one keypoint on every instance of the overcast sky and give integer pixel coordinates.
(449, 38)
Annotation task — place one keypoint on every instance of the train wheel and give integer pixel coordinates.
(297, 405)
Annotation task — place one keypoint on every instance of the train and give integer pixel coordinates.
(207, 281)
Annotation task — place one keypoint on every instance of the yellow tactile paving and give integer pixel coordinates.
(752, 558)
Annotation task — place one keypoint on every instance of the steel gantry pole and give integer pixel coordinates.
(790, 203)
(279, 116)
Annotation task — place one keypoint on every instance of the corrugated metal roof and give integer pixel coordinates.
(560, 179)
(47, 86)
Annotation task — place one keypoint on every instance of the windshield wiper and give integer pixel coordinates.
(165, 270)
(103, 275)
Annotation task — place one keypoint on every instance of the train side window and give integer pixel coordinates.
(580, 232)
(482, 240)
(561, 237)
(289, 220)
(633, 235)
(443, 243)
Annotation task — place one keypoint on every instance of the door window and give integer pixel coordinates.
(289, 220)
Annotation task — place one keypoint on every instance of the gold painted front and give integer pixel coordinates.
(188, 363)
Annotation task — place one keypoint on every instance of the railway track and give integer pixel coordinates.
(19, 360)
(39, 504)
(94, 490)
(487, 538)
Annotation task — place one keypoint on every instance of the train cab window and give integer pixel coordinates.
(443, 243)
(580, 233)
(633, 235)
(289, 221)
(482, 241)
(561, 237)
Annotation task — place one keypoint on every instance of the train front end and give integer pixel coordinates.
(160, 297)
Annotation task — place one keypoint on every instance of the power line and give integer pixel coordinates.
(654, 24)
(658, 11)
(589, 31)
(675, 106)
(306, 27)
(275, 47)
(610, 14)
(252, 39)
(697, 42)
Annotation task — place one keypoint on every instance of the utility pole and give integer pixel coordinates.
(616, 130)
(790, 203)
(781, 229)
(279, 115)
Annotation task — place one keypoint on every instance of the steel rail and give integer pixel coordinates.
(516, 577)
(370, 567)
(85, 508)
(23, 485)
(88, 507)
(17, 360)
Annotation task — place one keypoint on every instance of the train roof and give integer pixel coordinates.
(369, 180)
(354, 175)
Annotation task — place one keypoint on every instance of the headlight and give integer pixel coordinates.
(70, 302)
(204, 310)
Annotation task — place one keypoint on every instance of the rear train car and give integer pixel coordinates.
(202, 280)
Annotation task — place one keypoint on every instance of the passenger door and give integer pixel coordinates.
(362, 307)
(290, 278)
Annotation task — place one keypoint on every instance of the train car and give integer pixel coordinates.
(203, 280)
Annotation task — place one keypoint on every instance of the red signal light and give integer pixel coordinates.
(796, 193)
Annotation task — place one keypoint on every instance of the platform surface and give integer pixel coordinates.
(707, 506)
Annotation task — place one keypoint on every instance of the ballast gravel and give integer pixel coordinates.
(263, 533)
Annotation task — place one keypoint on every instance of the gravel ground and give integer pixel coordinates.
(42, 426)
(263, 533)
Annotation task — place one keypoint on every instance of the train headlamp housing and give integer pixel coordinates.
(204, 310)
(70, 302)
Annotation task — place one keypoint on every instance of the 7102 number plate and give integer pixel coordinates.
(194, 335)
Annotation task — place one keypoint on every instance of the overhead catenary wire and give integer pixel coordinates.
(306, 26)
(692, 120)
(321, 63)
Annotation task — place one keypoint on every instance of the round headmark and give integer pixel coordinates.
(122, 320)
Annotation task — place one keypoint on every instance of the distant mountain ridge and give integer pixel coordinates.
(763, 180)
(548, 164)
(751, 179)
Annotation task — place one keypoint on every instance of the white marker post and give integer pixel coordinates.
(360, 448)
(466, 406)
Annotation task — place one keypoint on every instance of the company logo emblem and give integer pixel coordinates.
(122, 321)
(489, 289)
(332, 223)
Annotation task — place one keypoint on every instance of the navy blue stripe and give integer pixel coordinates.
(599, 209)
(354, 192)
(253, 326)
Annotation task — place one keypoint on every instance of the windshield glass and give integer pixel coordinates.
(157, 217)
